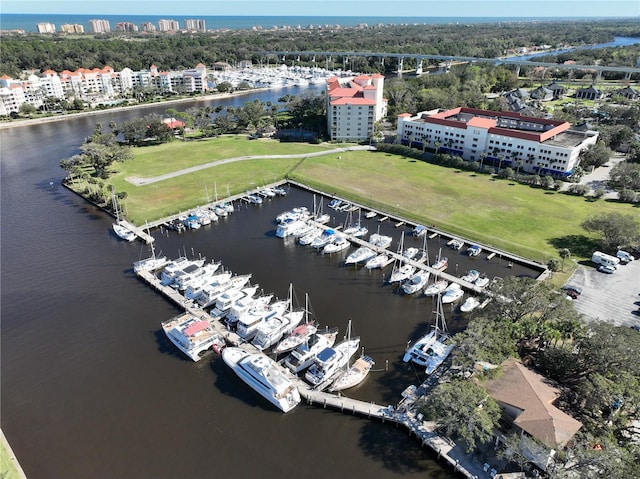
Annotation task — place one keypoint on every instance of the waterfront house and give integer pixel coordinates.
(527, 403)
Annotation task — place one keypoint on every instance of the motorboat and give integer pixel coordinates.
(474, 250)
(196, 276)
(436, 288)
(304, 230)
(418, 231)
(276, 326)
(411, 253)
(471, 276)
(278, 190)
(297, 213)
(298, 336)
(242, 306)
(361, 255)
(416, 283)
(304, 355)
(192, 335)
(192, 222)
(174, 267)
(453, 293)
(208, 287)
(379, 261)
(335, 204)
(329, 361)
(482, 281)
(307, 239)
(441, 264)
(381, 241)
(228, 298)
(289, 227)
(353, 375)
(264, 376)
(254, 199)
(470, 304)
(123, 232)
(212, 291)
(249, 322)
(339, 243)
(322, 219)
(455, 244)
(370, 214)
(268, 192)
(324, 239)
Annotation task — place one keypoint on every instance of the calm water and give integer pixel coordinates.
(28, 22)
(91, 388)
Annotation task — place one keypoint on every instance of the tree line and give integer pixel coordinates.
(180, 51)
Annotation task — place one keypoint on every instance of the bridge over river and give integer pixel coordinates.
(448, 60)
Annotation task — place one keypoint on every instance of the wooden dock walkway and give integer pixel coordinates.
(139, 232)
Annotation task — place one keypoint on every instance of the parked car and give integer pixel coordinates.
(624, 256)
(571, 294)
(605, 268)
(577, 290)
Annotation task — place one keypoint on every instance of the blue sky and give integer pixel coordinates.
(372, 8)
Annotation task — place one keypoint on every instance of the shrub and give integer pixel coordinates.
(577, 189)
(627, 196)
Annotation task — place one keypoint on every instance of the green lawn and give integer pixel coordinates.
(7, 468)
(527, 221)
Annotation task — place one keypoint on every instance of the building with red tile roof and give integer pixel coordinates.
(533, 145)
(353, 106)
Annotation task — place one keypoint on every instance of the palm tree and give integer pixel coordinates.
(437, 144)
(564, 254)
(483, 155)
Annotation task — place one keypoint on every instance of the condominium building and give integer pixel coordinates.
(533, 145)
(72, 28)
(195, 25)
(46, 27)
(168, 25)
(147, 27)
(99, 26)
(353, 106)
(126, 27)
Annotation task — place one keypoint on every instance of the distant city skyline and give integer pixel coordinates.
(337, 8)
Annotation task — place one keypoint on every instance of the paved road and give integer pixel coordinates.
(146, 181)
(614, 298)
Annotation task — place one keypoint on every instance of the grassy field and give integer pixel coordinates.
(531, 222)
(7, 468)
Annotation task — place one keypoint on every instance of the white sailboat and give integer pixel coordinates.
(353, 374)
(401, 269)
(118, 227)
(152, 263)
(442, 346)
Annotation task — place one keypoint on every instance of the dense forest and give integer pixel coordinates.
(179, 51)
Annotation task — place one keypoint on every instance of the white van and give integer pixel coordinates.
(624, 256)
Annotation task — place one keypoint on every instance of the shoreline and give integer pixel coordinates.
(50, 119)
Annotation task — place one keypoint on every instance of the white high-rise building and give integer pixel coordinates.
(46, 27)
(168, 25)
(195, 25)
(99, 26)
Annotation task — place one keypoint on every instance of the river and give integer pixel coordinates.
(91, 388)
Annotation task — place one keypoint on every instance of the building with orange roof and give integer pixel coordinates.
(503, 139)
(353, 106)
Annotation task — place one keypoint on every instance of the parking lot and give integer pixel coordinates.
(614, 298)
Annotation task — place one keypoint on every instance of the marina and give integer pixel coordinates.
(289, 389)
(108, 358)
